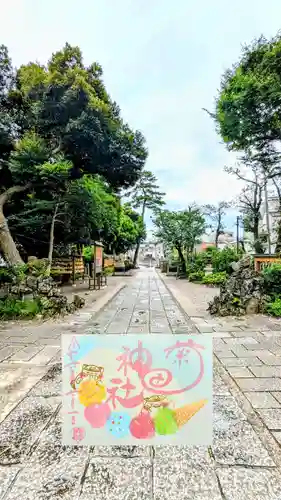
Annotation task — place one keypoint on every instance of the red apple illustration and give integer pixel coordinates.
(142, 426)
(97, 415)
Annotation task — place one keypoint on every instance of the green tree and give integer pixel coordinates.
(145, 195)
(7, 131)
(86, 210)
(216, 214)
(181, 230)
(24, 172)
(58, 115)
(131, 230)
(69, 105)
(248, 111)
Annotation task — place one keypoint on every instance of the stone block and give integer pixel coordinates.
(191, 456)
(175, 481)
(50, 384)
(277, 396)
(270, 359)
(225, 353)
(249, 484)
(37, 482)
(25, 354)
(8, 351)
(123, 479)
(239, 371)
(271, 418)
(266, 371)
(242, 341)
(262, 400)
(242, 352)
(236, 443)
(45, 355)
(259, 384)
(22, 427)
(241, 361)
(121, 451)
(7, 477)
(277, 436)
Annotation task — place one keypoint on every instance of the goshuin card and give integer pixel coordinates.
(137, 389)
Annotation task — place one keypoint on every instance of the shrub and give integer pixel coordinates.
(5, 276)
(222, 260)
(13, 274)
(15, 308)
(209, 252)
(37, 267)
(197, 276)
(88, 253)
(274, 308)
(200, 261)
(272, 279)
(214, 278)
(197, 263)
(128, 265)
(211, 249)
(108, 270)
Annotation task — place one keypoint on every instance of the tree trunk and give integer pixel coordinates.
(217, 239)
(257, 243)
(136, 254)
(7, 244)
(182, 259)
(218, 230)
(51, 242)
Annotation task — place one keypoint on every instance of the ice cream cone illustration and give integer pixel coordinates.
(183, 414)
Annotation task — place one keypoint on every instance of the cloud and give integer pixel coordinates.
(162, 63)
(204, 186)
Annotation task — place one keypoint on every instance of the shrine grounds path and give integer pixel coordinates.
(244, 461)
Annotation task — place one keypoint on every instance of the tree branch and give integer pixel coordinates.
(7, 195)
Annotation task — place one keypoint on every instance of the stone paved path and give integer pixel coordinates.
(242, 464)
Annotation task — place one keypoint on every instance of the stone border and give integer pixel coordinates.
(84, 314)
(182, 301)
(102, 302)
(87, 314)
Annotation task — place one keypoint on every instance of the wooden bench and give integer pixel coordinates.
(96, 282)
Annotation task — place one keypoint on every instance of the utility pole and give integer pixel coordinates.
(237, 232)
(267, 215)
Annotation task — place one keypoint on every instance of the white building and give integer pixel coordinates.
(273, 219)
(226, 239)
(274, 216)
(151, 250)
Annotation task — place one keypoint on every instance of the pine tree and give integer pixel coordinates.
(146, 195)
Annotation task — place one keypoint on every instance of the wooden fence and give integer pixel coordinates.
(262, 261)
(73, 265)
(108, 262)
